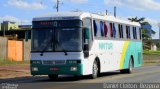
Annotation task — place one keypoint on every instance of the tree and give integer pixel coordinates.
(142, 22)
(158, 45)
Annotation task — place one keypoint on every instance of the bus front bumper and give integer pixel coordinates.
(69, 69)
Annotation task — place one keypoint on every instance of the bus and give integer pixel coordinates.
(83, 43)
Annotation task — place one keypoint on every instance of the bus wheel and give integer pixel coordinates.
(95, 70)
(130, 68)
(53, 76)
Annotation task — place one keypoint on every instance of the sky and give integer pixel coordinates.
(22, 11)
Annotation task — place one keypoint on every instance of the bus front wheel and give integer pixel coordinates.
(95, 70)
(53, 76)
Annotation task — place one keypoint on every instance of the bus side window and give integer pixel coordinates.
(111, 30)
(119, 29)
(105, 29)
(135, 32)
(87, 23)
(114, 30)
(138, 37)
(102, 28)
(128, 32)
(96, 25)
(122, 31)
(140, 33)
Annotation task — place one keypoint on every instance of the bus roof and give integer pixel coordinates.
(80, 16)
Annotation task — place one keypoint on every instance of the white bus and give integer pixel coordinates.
(81, 43)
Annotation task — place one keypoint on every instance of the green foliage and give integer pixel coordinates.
(145, 34)
(147, 52)
(158, 45)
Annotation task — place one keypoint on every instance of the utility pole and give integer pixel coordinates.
(57, 6)
(115, 11)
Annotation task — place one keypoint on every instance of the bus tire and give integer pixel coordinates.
(130, 68)
(53, 76)
(95, 70)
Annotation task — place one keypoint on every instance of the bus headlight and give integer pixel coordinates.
(73, 69)
(34, 69)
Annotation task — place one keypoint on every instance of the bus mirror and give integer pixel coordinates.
(26, 35)
(87, 33)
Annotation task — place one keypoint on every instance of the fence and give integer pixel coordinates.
(14, 50)
(3, 48)
(27, 49)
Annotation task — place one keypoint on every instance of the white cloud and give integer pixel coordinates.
(14, 19)
(73, 1)
(25, 5)
(152, 21)
(136, 4)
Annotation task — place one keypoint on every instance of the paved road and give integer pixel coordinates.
(149, 74)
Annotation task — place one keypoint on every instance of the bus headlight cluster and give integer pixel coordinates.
(34, 69)
(73, 69)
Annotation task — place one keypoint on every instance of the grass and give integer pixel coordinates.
(10, 62)
(148, 52)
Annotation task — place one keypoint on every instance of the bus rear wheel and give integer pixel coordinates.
(130, 68)
(53, 76)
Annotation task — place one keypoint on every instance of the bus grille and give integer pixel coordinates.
(54, 62)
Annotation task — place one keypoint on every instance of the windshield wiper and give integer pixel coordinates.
(65, 52)
(55, 41)
(46, 46)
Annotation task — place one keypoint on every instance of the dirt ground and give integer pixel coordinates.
(12, 71)
(151, 60)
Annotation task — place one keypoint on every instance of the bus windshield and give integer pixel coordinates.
(57, 40)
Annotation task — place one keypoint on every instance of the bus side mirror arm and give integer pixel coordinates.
(86, 50)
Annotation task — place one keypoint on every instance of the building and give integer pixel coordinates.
(155, 44)
(7, 25)
(25, 27)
